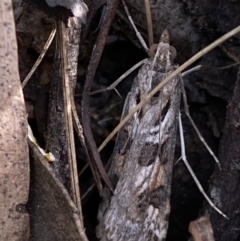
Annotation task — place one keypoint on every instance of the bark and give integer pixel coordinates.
(14, 165)
(201, 229)
(225, 183)
(54, 216)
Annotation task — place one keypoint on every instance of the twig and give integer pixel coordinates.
(96, 55)
(67, 93)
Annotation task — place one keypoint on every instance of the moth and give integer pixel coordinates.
(142, 161)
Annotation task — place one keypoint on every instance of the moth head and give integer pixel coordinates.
(165, 38)
(172, 52)
(163, 53)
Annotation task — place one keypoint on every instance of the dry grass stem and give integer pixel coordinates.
(40, 57)
(149, 23)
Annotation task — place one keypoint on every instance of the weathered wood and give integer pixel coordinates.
(59, 121)
(53, 214)
(14, 164)
(225, 184)
(201, 229)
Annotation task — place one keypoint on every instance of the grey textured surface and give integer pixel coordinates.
(14, 164)
(53, 215)
(79, 8)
